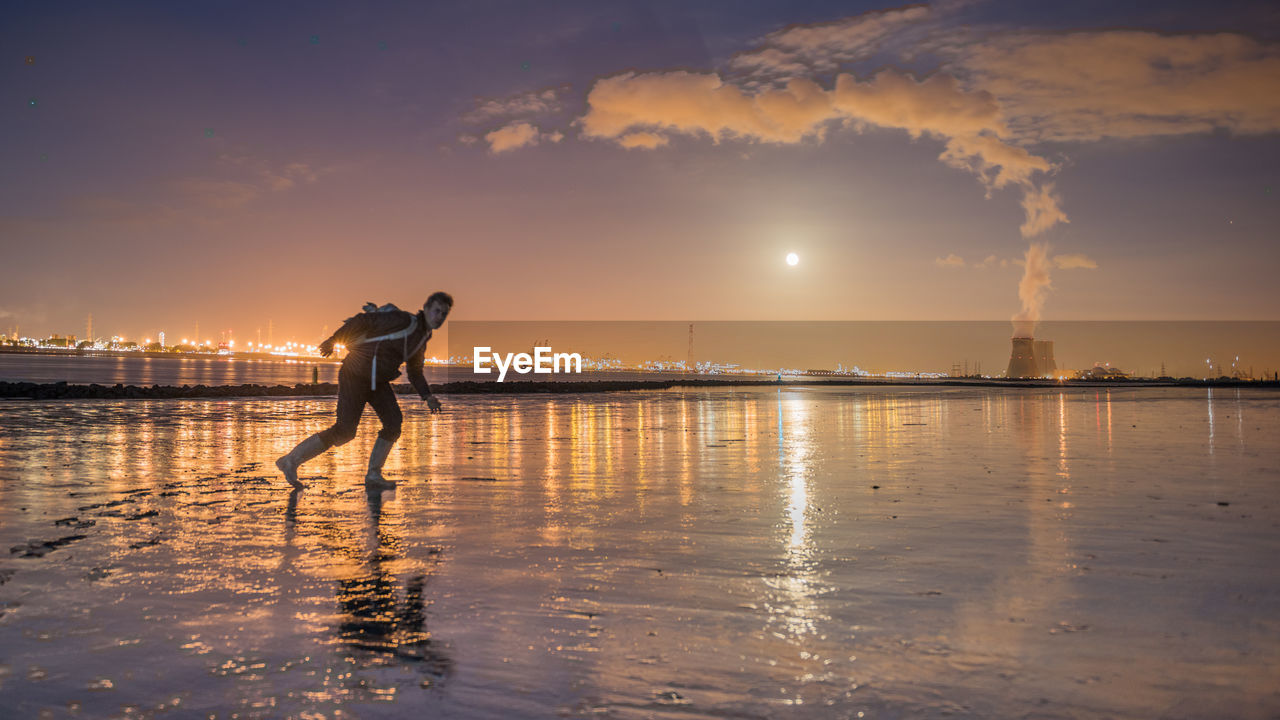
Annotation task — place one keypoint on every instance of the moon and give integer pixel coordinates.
(793, 259)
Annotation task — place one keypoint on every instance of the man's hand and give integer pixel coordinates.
(433, 403)
(326, 348)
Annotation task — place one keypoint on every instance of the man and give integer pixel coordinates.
(378, 342)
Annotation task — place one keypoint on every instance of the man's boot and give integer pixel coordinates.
(305, 450)
(373, 479)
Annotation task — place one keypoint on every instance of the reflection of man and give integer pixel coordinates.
(374, 619)
(377, 342)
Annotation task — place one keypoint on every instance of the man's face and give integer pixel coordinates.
(436, 313)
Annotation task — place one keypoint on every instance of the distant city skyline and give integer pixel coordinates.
(171, 165)
(1149, 349)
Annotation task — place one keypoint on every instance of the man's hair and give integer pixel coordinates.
(440, 296)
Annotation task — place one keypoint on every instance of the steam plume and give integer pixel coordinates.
(1032, 289)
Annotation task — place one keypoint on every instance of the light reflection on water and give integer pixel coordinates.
(178, 370)
(376, 618)
(766, 551)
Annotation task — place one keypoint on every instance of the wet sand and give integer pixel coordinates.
(747, 552)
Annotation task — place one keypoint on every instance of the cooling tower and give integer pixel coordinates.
(1022, 361)
(1045, 363)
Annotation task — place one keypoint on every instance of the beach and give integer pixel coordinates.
(810, 552)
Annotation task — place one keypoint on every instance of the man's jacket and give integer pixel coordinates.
(379, 361)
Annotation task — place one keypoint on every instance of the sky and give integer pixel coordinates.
(247, 165)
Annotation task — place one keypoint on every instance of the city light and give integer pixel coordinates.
(1100, 372)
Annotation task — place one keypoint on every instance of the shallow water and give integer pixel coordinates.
(800, 552)
(161, 370)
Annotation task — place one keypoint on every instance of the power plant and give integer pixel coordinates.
(1031, 358)
(1022, 361)
(1044, 358)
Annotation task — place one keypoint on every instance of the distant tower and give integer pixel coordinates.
(88, 328)
(1045, 364)
(689, 366)
(1022, 361)
(270, 329)
(162, 339)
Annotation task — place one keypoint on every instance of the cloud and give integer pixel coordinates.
(523, 105)
(514, 114)
(1042, 210)
(935, 105)
(1044, 87)
(951, 260)
(518, 135)
(1087, 86)
(996, 163)
(822, 47)
(1074, 261)
(705, 105)
(511, 137)
(994, 96)
(971, 123)
(770, 61)
(644, 140)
